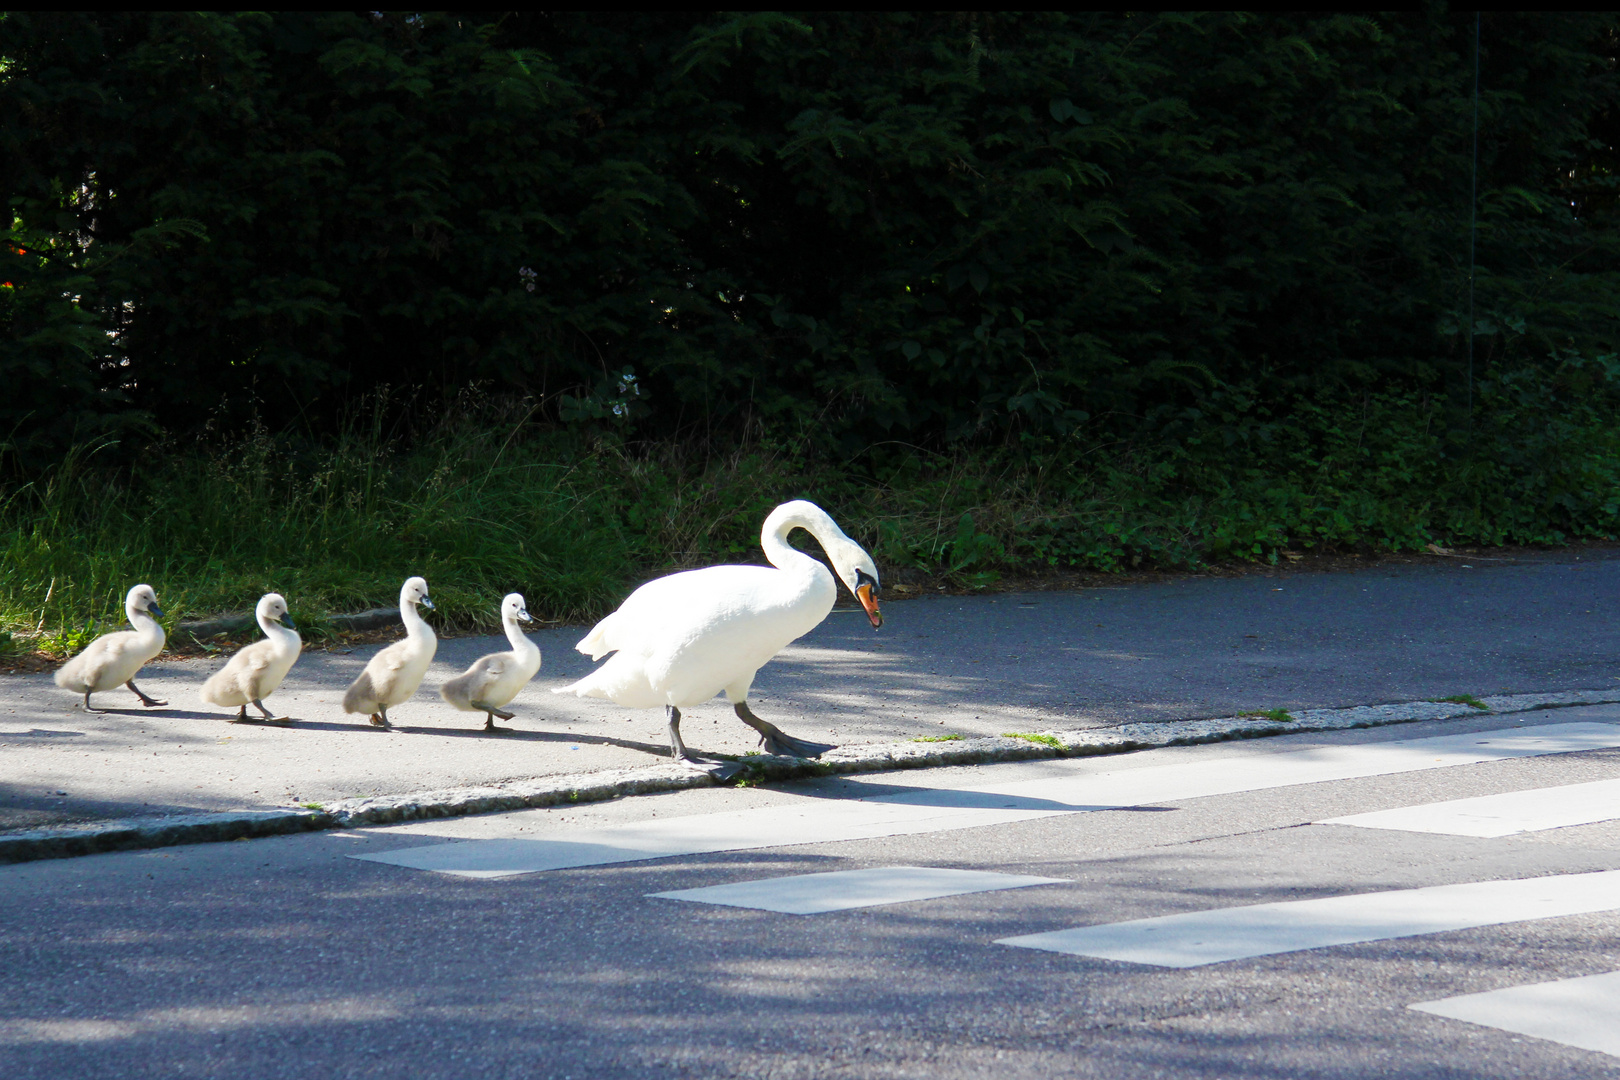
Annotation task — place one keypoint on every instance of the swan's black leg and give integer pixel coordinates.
(87, 707)
(677, 749)
(723, 770)
(380, 717)
(146, 699)
(775, 740)
(241, 717)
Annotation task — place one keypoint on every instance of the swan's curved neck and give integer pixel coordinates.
(783, 520)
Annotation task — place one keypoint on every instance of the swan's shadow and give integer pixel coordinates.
(520, 735)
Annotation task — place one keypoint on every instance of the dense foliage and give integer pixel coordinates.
(1002, 290)
(901, 225)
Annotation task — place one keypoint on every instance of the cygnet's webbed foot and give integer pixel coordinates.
(380, 720)
(777, 741)
(146, 699)
(241, 717)
(490, 713)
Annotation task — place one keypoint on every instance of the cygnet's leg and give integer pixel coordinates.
(380, 717)
(269, 717)
(775, 740)
(722, 770)
(146, 699)
(241, 717)
(490, 713)
(87, 707)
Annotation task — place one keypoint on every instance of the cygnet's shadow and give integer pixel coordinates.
(162, 710)
(521, 735)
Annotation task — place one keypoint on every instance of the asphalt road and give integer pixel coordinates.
(1182, 648)
(286, 957)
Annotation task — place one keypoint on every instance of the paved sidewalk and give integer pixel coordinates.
(983, 665)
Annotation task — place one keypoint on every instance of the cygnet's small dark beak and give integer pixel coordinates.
(153, 609)
(425, 602)
(286, 620)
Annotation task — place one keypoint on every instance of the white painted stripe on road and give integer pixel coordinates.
(1212, 937)
(1584, 1012)
(1087, 786)
(1500, 815)
(813, 894)
(809, 822)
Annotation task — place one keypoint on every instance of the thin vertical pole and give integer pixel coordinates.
(1473, 206)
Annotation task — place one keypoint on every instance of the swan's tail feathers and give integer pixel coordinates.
(596, 644)
(361, 696)
(586, 687)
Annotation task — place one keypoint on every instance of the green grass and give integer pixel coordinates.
(490, 501)
(1281, 716)
(1463, 699)
(1044, 740)
(937, 738)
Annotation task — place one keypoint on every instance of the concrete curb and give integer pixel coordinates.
(126, 834)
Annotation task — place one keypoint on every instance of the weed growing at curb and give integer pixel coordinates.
(937, 738)
(1281, 716)
(312, 806)
(1462, 699)
(1044, 740)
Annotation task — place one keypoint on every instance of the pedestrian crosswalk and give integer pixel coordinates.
(1082, 786)
(1511, 812)
(1582, 1013)
(1196, 938)
(842, 890)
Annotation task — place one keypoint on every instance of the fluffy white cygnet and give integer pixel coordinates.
(393, 675)
(113, 659)
(254, 672)
(495, 679)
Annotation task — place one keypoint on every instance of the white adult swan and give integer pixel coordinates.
(393, 675)
(255, 671)
(680, 640)
(114, 658)
(495, 679)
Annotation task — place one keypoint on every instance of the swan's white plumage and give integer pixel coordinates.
(496, 679)
(113, 659)
(257, 670)
(393, 674)
(682, 639)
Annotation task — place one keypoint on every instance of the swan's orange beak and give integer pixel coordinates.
(869, 602)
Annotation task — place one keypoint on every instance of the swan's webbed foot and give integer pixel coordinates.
(146, 699)
(87, 706)
(379, 719)
(720, 770)
(241, 717)
(777, 741)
